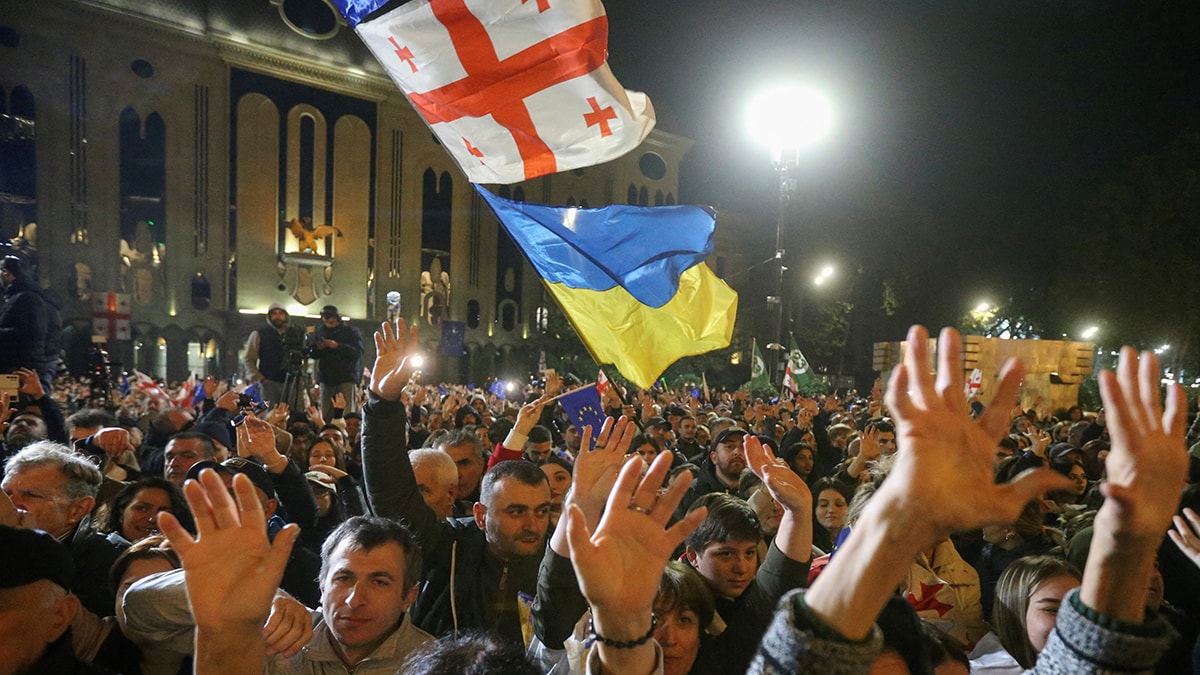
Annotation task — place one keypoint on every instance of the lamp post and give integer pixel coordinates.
(786, 120)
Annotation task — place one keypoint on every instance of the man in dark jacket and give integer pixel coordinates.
(272, 353)
(474, 567)
(22, 321)
(337, 347)
(54, 490)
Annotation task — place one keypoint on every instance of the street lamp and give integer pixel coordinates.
(786, 120)
(825, 275)
(1090, 332)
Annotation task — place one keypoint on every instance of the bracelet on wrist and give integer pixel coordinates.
(619, 644)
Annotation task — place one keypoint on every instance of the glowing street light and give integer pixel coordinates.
(825, 275)
(1090, 332)
(982, 307)
(789, 118)
(786, 120)
(418, 360)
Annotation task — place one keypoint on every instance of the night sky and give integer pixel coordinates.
(1000, 119)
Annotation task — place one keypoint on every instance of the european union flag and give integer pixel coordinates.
(454, 334)
(631, 279)
(583, 408)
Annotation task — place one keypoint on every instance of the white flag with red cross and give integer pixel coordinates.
(513, 89)
(110, 316)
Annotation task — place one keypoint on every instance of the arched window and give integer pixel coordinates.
(472, 314)
(632, 197)
(508, 315)
(658, 198)
(201, 291)
(644, 197)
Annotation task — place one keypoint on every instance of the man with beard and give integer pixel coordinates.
(475, 567)
(722, 469)
(272, 353)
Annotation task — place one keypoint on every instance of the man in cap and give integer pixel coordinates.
(36, 605)
(299, 577)
(337, 347)
(721, 469)
(273, 352)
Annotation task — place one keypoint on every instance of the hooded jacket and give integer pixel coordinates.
(22, 328)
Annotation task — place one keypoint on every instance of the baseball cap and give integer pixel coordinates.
(657, 422)
(321, 479)
(726, 433)
(1061, 450)
(330, 310)
(252, 470)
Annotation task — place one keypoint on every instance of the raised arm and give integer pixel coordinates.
(620, 562)
(794, 538)
(1147, 469)
(387, 472)
(942, 482)
(232, 572)
(559, 603)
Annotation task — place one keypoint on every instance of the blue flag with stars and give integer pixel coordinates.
(583, 408)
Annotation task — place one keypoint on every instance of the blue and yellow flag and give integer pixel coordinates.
(631, 279)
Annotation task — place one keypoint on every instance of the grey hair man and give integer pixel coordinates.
(54, 489)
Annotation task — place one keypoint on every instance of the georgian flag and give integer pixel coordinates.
(973, 383)
(513, 89)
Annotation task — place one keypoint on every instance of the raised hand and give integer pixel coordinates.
(596, 470)
(943, 470)
(784, 485)
(619, 564)
(393, 367)
(228, 401)
(1147, 464)
(114, 441)
(256, 438)
(530, 413)
(339, 401)
(278, 415)
(1039, 440)
(31, 386)
(231, 569)
(1186, 535)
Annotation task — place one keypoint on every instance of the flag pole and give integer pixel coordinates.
(565, 393)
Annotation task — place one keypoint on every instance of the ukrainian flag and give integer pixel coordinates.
(631, 279)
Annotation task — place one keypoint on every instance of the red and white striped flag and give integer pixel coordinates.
(513, 89)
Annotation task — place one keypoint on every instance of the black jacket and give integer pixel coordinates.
(22, 328)
(344, 363)
(464, 586)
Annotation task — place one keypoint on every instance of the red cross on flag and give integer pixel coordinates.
(513, 89)
(110, 315)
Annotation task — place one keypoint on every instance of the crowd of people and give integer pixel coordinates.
(417, 528)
